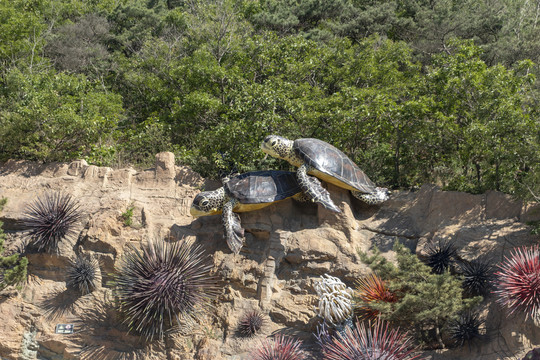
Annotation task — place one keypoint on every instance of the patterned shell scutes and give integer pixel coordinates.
(259, 187)
(329, 160)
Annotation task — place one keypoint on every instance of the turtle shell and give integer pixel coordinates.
(333, 165)
(260, 187)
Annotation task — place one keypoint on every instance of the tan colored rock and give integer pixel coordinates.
(287, 246)
(77, 168)
(502, 206)
(165, 168)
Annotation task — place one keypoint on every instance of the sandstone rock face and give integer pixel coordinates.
(288, 245)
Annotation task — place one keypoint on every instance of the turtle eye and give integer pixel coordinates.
(204, 203)
(273, 143)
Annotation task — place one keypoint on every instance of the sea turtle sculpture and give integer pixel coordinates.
(318, 158)
(247, 192)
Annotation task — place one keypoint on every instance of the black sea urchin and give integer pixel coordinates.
(439, 256)
(372, 342)
(82, 275)
(466, 328)
(161, 283)
(50, 219)
(280, 347)
(251, 323)
(477, 277)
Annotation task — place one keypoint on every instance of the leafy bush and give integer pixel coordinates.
(12, 267)
(426, 301)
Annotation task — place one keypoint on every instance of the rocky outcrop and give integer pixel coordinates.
(288, 245)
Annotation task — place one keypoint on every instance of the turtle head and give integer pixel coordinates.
(378, 196)
(208, 203)
(277, 146)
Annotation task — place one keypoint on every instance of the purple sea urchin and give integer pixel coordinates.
(477, 277)
(466, 328)
(161, 283)
(373, 342)
(82, 275)
(279, 347)
(439, 256)
(50, 219)
(518, 281)
(251, 323)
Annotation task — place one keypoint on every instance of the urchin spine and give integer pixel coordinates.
(50, 219)
(82, 275)
(251, 323)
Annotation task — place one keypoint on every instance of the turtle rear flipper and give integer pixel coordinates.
(234, 234)
(312, 187)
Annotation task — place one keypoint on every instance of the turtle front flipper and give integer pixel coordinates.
(234, 234)
(312, 187)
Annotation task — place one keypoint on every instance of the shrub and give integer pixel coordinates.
(426, 301)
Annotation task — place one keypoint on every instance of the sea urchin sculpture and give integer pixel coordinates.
(477, 277)
(466, 328)
(251, 323)
(372, 289)
(82, 275)
(372, 342)
(161, 283)
(440, 256)
(50, 219)
(335, 300)
(280, 347)
(518, 281)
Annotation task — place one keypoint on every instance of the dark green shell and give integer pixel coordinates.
(260, 187)
(333, 162)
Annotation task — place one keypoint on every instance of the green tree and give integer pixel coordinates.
(426, 301)
(490, 129)
(308, 18)
(12, 267)
(55, 117)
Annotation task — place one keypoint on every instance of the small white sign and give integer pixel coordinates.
(64, 329)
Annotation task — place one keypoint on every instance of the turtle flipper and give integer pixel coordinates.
(301, 197)
(234, 234)
(312, 187)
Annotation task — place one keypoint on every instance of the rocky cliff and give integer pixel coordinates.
(288, 245)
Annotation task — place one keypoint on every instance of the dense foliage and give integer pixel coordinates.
(12, 267)
(413, 91)
(426, 302)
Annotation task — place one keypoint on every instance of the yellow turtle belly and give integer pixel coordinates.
(252, 207)
(331, 179)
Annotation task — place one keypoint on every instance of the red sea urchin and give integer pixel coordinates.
(279, 347)
(372, 342)
(372, 289)
(162, 283)
(517, 282)
(50, 219)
